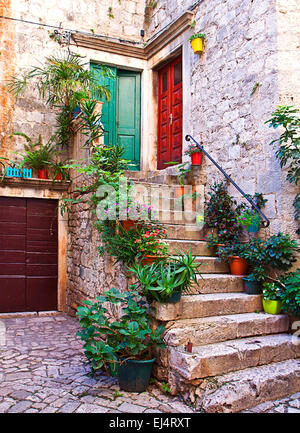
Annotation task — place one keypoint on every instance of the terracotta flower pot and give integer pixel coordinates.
(148, 259)
(238, 266)
(43, 174)
(127, 224)
(196, 158)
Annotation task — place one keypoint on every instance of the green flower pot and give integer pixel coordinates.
(134, 375)
(251, 287)
(271, 307)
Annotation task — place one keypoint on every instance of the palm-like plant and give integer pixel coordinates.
(37, 155)
(62, 82)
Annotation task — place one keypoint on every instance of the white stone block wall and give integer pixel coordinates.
(248, 44)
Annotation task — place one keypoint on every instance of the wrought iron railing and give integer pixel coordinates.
(265, 221)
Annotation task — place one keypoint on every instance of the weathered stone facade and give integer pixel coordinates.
(249, 66)
(249, 44)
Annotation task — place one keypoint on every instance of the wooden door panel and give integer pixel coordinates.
(170, 114)
(13, 242)
(42, 247)
(28, 254)
(12, 269)
(12, 294)
(40, 294)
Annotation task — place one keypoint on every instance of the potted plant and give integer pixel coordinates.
(166, 281)
(250, 220)
(271, 298)
(234, 254)
(37, 155)
(196, 41)
(126, 340)
(59, 171)
(290, 293)
(195, 153)
(221, 212)
(254, 280)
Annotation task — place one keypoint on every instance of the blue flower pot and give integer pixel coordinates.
(253, 228)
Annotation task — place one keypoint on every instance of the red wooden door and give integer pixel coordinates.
(170, 114)
(28, 254)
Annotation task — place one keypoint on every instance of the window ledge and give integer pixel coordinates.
(17, 182)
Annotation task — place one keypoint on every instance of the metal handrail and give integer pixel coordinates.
(266, 221)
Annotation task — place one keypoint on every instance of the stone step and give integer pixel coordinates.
(211, 265)
(221, 358)
(244, 389)
(184, 232)
(216, 304)
(209, 330)
(199, 248)
(217, 283)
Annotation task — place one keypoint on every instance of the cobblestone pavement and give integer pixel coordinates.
(43, 369)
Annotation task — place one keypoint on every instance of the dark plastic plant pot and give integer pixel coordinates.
(252, 287)
(175, 297)
(134, 375)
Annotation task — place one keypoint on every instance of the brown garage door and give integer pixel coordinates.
(28, 254)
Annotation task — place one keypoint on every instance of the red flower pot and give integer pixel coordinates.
(196, 158)
(43, 174)
(127, 224)
(148, 260)
(238, 266)
(58, 176)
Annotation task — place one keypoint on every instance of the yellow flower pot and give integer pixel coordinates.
(197, 45)
(271, 307)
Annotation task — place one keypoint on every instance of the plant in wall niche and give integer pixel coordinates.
(149, 7)
(123, 344)
(60, 83)
(37, 155)
(255, 87)
(196, 41)
(289, 147)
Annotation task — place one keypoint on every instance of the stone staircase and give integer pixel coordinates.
(241, 356)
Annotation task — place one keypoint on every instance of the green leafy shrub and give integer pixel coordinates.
(109, 337)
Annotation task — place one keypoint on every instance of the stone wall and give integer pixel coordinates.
(251, 47)
(24, 45)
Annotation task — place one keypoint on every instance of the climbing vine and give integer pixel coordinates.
(289, 149)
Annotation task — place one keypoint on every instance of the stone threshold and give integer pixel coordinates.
(30, 314)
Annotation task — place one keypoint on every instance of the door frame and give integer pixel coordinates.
(25, 190)
(170, 77)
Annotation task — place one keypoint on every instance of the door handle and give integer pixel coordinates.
(171, 118)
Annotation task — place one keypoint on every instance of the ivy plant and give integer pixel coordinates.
(288, 152)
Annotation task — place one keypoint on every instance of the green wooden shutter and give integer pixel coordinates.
(128, 114)
(108, 117)
(121, 115)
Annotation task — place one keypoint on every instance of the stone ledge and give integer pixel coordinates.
(16, 182)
